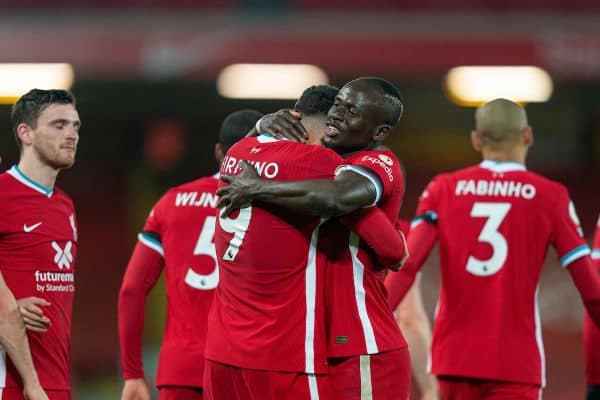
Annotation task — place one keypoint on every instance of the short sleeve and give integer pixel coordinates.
(568, 235)
(382, 168)
(427, 209)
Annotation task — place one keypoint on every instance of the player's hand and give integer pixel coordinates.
(33, 315)
(238, 194)
(34, 392)
(284, 124)
(135, 389)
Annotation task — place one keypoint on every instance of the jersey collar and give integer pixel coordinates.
(16, 173)
(502, 166)
(268, 138)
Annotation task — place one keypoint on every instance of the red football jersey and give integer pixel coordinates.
(591, 334)
(358, 316)
(181, 229)
(38, 245)
(495, 222)
(268, 311)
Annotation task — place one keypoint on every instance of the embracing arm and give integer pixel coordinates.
(346, 193)
(375, 229)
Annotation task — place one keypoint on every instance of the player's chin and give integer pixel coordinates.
(64, 162)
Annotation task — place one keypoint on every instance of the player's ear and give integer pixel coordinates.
(382, 132)
(528, 136)
(219, 155)
(24, 132)
(475, 142)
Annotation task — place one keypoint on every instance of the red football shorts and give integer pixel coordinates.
(179, 393)
(17, 394)
(477, 389)
(225, 382)
(378, 376)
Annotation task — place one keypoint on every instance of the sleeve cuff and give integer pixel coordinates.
(370, 177)
(595, 254)
(152, 243)
(574, 255)
(428, 216)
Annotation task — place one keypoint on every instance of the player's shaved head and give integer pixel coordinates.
(389, 97)
(500, 121)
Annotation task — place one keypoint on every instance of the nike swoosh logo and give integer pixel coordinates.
(31, 227)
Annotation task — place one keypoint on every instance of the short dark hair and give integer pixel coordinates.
(392, 98)
(235, 127)
(29, 107)
(316, 100)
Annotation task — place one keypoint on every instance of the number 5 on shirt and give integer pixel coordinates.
(204, 246)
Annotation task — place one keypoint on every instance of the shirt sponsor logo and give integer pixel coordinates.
(63, 257)
(386, 159)
(47, 281)
(267, 169)
(30, 228)
(495, 188)
(382, 164)
(195, 199)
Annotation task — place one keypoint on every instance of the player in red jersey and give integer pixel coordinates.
(591, 337)
(268, 312)
(38, 232)
(178, 236)
(367, 354)
(494, 222)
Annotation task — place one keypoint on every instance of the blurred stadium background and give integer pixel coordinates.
(145, 76)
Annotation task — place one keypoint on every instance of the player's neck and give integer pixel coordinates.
(504, 155)
(38, 171)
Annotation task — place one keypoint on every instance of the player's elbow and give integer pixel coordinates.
(128, 293)
(8, 308)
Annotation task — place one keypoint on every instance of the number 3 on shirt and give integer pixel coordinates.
(495, 214)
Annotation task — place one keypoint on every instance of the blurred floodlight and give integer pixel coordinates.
(475, 85)
(268, 81)
(17, 79)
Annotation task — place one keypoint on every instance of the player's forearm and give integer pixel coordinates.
(131, 323)
(417, 333)
(376, 230)
(14, 340)
(309, 197)
(421, 240)
(587, 280)
(141, 275)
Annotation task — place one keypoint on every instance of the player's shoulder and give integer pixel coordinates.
(383, 157)
(203, 183)
(63, 196)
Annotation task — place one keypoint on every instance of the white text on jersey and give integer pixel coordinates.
(268, 169)
(193, 199)
(384, 165)
(494, 188)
